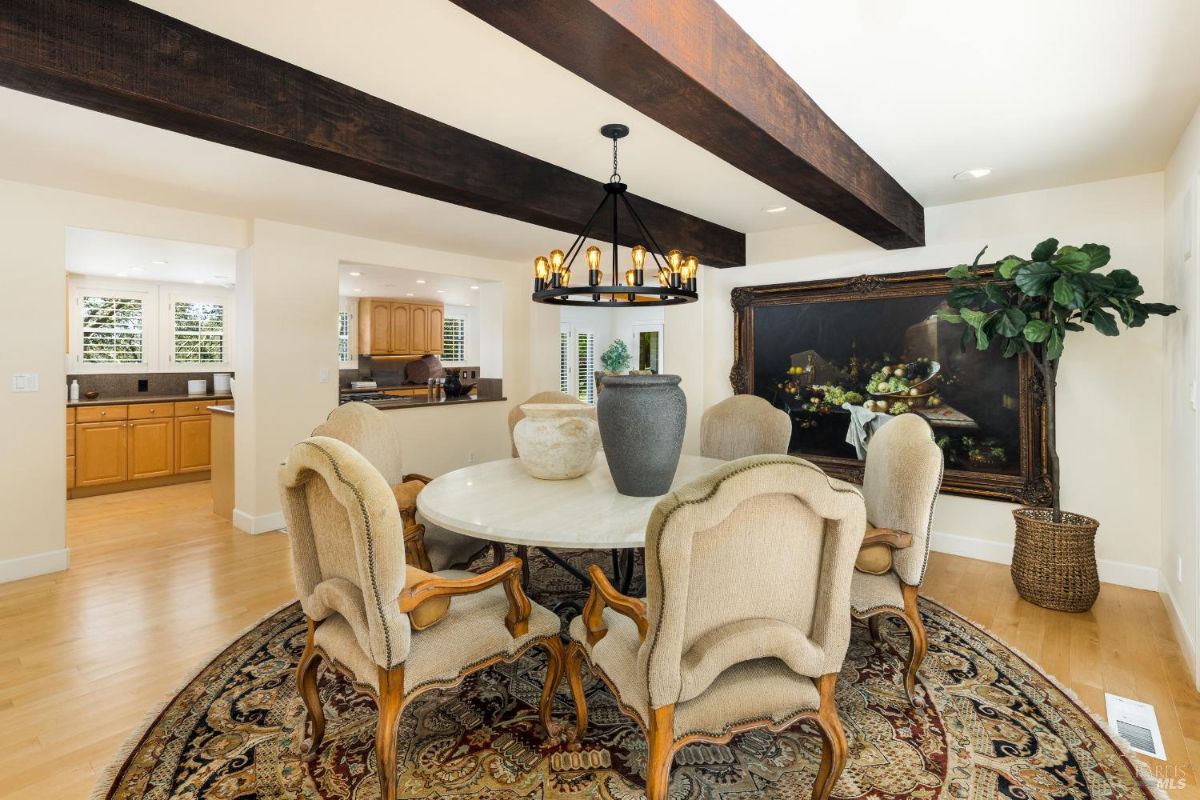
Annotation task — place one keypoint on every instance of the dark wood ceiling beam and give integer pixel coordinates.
(124, 59)
(687, 64)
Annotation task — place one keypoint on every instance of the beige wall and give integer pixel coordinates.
(1181, 438)
(1110, 389)
(33, 223)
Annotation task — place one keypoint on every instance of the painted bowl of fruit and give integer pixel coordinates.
(911, 379)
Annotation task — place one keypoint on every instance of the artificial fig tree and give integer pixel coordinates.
(1029, 305)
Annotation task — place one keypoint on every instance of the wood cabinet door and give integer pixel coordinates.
(381, 328)
(401, 341)
(193, 443)
(151, 448)
(100, 453)
(437, 320)
(418, 342)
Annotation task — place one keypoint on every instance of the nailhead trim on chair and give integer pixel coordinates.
(362, 507)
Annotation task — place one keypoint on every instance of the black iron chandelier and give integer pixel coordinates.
(676, 272)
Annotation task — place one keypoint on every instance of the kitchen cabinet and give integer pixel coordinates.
(392, 328)
(193, 443)
(100, 452)
(151, 448)
(70, 448)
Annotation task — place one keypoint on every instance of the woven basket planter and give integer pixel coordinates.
(1054, 563)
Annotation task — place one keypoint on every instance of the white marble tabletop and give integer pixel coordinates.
(499, 501)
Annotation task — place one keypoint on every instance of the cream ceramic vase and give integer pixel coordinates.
(557, 441)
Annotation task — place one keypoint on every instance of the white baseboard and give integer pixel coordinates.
(1118, 572)
(15, 569)
(263, 523)
(1182, 635)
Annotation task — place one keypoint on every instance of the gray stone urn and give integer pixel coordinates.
(642, 418)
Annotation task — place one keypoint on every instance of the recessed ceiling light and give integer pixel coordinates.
(159, 262)
(474, 287)
(198, 280)
(972, 174)
(774, 209)
(358, 290)
(136, 269)
(355, 274)
(420, 280)
(122, 275)
(466, 305)
(441, 291)
(408, 294)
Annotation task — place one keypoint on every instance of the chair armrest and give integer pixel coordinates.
(416, 476)
(603, 594)
(508, 573)
(889, 537)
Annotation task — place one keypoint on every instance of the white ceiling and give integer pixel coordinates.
(142, 258)
(1044, 93)
(376, 281)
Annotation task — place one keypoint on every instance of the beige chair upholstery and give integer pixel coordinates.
(744, 425)
(377, 436)
(901, 483)
(746, 620)
(516, 414)
(348, 557)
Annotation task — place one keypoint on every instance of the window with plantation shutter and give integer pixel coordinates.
(564, 359)
(198, 332)
(585, 344)
(343, 337)
(454, 340)
(113, 329)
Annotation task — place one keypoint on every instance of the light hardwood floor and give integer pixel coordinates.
(158, 583)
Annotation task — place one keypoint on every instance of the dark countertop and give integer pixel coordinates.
(117, 400)
(222, 410)
(415, 402)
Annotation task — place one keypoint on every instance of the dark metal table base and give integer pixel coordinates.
(623, 566)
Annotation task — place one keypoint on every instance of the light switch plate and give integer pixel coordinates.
(25, 382)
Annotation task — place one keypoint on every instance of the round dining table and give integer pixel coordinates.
(501, 502)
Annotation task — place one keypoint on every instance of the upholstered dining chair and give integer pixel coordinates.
(375, 620)
(516, 415)
(744, 425)
(901, 483)
(746, 619)
(375, 435)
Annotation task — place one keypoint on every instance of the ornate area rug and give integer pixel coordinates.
(994, 726)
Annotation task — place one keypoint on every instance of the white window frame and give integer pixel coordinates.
(565, 368)
(650, 327)
(574, 378)
(349, 307)
(463, 319)
(171, 296)
(146, 293)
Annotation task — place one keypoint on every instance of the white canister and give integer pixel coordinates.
(198, 387)
(221, 383)
(557, 441)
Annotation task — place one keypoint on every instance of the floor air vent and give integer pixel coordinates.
(1136, 723)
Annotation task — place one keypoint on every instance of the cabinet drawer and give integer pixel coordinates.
(191, 408)
(152, 410)
(101, 413)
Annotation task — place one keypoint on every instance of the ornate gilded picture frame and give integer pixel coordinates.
(872, 343)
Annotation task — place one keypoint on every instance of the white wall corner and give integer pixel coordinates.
(1183, 636)
(264, 523)
(1135, 576)
(15, 569)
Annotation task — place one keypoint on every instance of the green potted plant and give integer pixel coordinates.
(616, 358)
(1028, 306)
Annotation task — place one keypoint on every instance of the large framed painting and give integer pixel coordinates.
(841, 355)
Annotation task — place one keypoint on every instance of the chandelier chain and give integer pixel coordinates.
(616, 176)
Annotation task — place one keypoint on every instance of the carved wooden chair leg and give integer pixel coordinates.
(497, 554)
(574, 670)
(555, 663)
(391, 704)
(920, 643)
(834, 748)
(661, 751)
(875, 625)
(307, 672)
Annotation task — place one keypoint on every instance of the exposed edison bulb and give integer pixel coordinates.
(556, 260)
(664, 276)
(541, 267)
(630, 277)
(566, 277)
(691, 265)
(639, 256)
(593, 257)
(675, 259)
